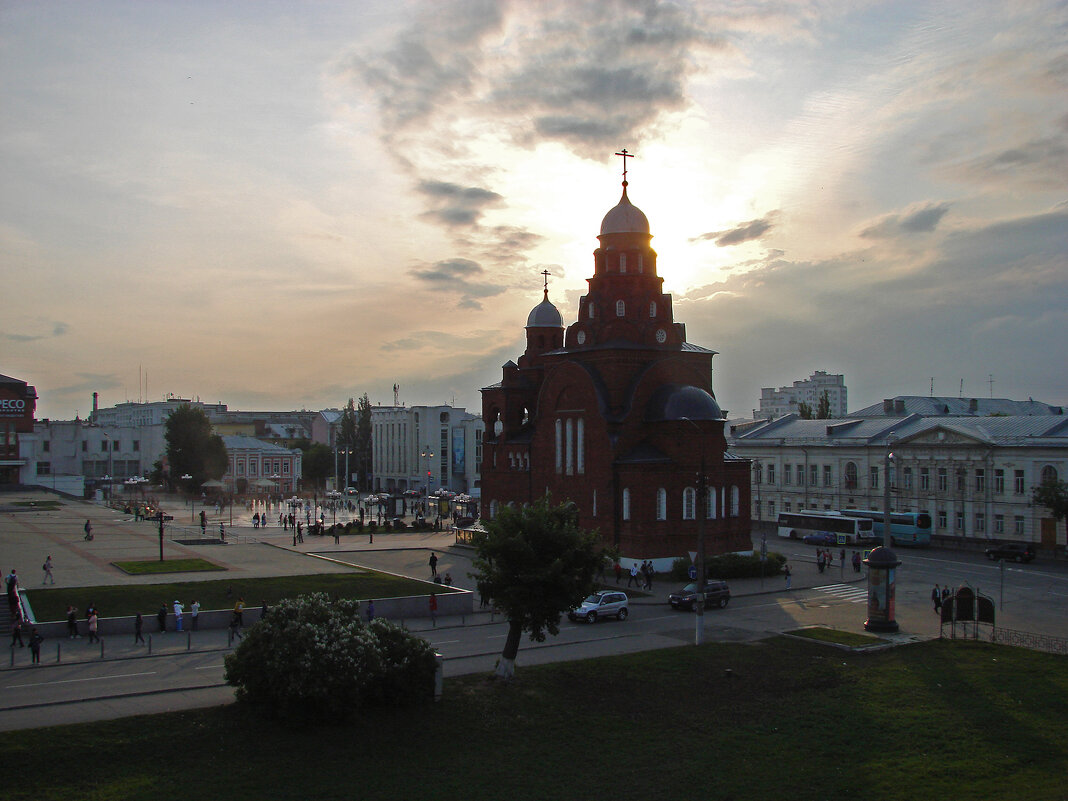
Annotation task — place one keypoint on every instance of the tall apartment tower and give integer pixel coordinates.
(787, 400)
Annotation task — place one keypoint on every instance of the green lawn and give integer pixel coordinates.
(836, 636)
(129, 599)
(798, 720)
(152, 566)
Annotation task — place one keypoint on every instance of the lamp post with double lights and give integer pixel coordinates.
(702, 509)
(429, 456)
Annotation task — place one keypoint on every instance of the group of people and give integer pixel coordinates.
(640, 576)
(939, 595)
(17, 618)
(825, 559)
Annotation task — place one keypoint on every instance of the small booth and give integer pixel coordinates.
(881, 564)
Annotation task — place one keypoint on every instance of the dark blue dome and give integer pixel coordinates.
(681, 402)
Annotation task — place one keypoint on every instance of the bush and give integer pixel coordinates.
(732, 566)
(311, 658)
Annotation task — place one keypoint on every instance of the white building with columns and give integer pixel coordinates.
(424, 448)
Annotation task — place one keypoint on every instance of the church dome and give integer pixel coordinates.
(679, 402)
(545, 315)
(625, 218)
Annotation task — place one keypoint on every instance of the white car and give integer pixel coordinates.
(605, 603)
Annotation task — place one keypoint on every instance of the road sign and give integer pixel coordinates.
(692, 572)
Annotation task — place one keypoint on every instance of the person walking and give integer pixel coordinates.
(47, 567)
(139, 625)
(178, 609)
(88, 528)
(94, 622)
(72, 623)
(161, 618)
(433, 564)
(194, 613)
(35, 646)
(786, 573)
(618, 569)
(856, 561)
(433, 610)
(239, 612)
(370, 610)
(12, 582)
(203, 524)
(633, 579)
(16, 633)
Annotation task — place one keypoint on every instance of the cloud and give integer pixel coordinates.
(58, 330)
(457, 205)
(455, 275)
(745, 232)
(920, 220)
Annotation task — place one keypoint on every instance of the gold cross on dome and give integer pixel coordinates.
(625, 156)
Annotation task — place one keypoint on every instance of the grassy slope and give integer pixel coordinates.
(799, 721)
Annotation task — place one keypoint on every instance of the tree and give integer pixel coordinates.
(534, 563)
(363, 442)
(804, 411)
(192, 448)
(317, 463)
(1053, 494)
(313, 659)
(823, 409)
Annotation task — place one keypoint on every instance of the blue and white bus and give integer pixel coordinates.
(906, 528)
(846, 530)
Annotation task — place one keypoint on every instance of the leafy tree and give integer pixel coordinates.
(823, 408)
(1054, 496)
(192, 447)
(313, 659)
(317, 463)
(363, 442)
(804, 411)
(346, 440)
(535, 563)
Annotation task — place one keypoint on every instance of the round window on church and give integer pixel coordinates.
(580, 337)
(661, 336)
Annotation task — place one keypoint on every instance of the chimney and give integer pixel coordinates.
(96, 400)
(888, 406)
(973, 405)
(899, 406)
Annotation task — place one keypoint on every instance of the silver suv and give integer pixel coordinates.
(606, 603)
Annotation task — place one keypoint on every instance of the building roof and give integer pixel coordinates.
(239, 443)
(681, 402)
(545, 315)
(624, 218)
(902, 405)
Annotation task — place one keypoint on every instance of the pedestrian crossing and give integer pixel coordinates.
(847, 592)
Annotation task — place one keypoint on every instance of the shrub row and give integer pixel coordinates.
(732, 566)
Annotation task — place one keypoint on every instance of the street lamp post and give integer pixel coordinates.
(699, 513)
(429, 456)
(886, 490)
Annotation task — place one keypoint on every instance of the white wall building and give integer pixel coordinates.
(973, 475)
(424, 448)
(787, 400)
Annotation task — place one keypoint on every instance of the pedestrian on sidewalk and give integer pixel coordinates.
(618, 569)
(936, 598)
(35, 646)
(433, 610)
(203, 524)
(94, 621)
(239, 612)
(72, 622)
(370, 610)
(88, 527)
(633, 575)
(161, 618)
(139, 625)
(433, 564)
(47, 567)
(16, 633)
(12, 581)
(194, 613)
(856, 561)
(786, 573)
(178, 609)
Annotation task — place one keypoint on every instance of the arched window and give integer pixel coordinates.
(735, 497)
(1049, 474)
(621, 308)
(559, 446)
(626, 504)
(580, 446)
(652, 309)
(710, 503)
(851, 475)
(661, 504)
(640, 263)
(622, 262)
(569, 447)
(526, 461)
(511, 461)
(493, 509)
(595, 503)
(590, 308)
(689, 503)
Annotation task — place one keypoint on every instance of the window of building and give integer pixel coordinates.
(710, 503)
(590, 308)
(787, 506)
(736, 497)
(787, 473)
(1018, 482)
(925, 478)
(943, 480)
(252, 468)
(559, 445)
(622, 262)
(137, 445)
(626, 504)
(758, 473)
(813, 475)
(999, 481)
(851, 475)
(960, 521)
(999, 524)
(906, 476)
(661, 504)
(569, 447)
(44, 468)
(980, 521)
(942, 519)
(640, 264)
(652, 309)
(962, 479)
(580, 446)
(45, 445)
(689, 503)
(621, 308)
(771, 510)
(85, 446)
(826, 475)
(873, 477)
(980, 480)
(241, 468)
(771, 474)
(1018, 525)
(1049, 474)
(285, 468)
(800, 475)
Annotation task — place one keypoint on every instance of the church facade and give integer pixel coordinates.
(616, 413)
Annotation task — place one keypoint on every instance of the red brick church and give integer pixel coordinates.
(617, 414)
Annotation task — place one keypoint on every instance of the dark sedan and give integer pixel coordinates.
(1012, 551)
(717, 593)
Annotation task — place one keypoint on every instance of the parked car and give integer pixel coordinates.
(717, 593)
(1015, 551)
(823, 538)
(605, 603)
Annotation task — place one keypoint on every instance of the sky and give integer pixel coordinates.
(282, 205)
